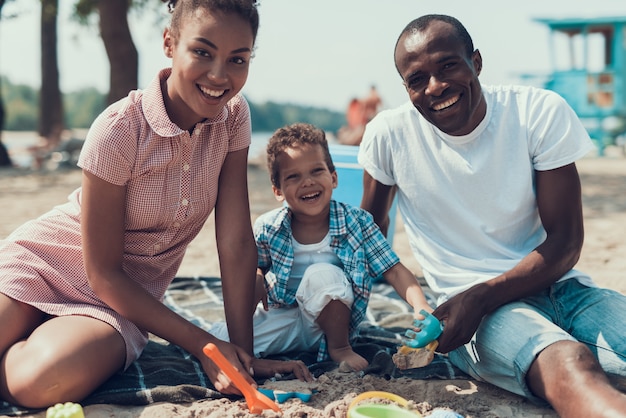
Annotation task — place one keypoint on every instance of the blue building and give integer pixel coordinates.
(588, 68)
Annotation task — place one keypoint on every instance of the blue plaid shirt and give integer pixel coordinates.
(363, 250)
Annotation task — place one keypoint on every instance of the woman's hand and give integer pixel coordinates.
(240, 361)
(260, 293)
(248, 366)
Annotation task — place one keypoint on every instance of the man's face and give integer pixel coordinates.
(442, 81)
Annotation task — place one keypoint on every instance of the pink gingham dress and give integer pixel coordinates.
(171, 179)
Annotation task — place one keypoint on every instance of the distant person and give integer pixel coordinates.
(82, 285)
(358, 114)
(355, 113)
(317, 256)
(371, 105)
(490, 196)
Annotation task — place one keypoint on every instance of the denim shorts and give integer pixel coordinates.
(509, 339)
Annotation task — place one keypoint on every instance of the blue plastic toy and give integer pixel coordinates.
(430, 330)
(281, 396)
(444, 413)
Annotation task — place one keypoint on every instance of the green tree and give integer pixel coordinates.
(269, 116)
(82, 107)
(21, 104)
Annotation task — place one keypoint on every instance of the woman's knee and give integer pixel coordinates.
(31, 378)
(39, 373)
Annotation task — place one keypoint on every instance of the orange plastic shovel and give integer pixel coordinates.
(257, 402)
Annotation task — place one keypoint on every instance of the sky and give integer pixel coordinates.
(316, 53)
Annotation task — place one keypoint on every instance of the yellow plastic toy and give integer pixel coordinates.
(373, 410)
(65, 410)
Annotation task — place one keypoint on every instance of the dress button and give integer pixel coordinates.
(185, 202)
(157, 247)
(186, 167)
(176, 224)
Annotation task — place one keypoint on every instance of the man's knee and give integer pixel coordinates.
(562, 364)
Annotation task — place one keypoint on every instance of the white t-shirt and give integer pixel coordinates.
(305, 255)
(468, 202)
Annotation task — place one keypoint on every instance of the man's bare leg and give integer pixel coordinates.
(569, 377)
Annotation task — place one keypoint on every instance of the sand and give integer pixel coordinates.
(25, 195)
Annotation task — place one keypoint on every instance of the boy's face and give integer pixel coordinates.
(306, 183)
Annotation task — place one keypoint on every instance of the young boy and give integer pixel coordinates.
(317, 256)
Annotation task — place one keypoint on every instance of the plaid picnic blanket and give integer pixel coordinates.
(167, 373)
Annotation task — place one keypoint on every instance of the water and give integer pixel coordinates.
(258, 145)
(17, 144)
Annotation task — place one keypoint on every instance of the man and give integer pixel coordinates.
(490, 197)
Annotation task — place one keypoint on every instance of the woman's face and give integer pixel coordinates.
(210, 59)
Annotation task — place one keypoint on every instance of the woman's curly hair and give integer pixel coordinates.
(246, 9)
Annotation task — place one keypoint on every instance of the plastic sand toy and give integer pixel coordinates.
(257, 402)
(418, 348)
(376, 410)
(65, 410)
(430, 330)
(282, 396)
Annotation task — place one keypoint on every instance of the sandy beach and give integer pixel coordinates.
(24, 195)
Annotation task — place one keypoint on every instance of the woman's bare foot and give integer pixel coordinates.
(347, 356)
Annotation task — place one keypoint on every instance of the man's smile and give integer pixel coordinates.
(446, 104)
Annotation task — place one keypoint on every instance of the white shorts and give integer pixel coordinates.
(281, 330)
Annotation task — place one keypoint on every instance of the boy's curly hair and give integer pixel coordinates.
(291, 136)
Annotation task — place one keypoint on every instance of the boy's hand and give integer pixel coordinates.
(270, 368)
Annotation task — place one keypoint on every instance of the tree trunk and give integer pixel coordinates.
(50, 101)
(119, 46)
(5, 159)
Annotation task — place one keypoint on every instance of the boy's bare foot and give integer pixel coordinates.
(348, 357)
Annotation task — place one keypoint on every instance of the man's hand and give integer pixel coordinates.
(460, 317)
